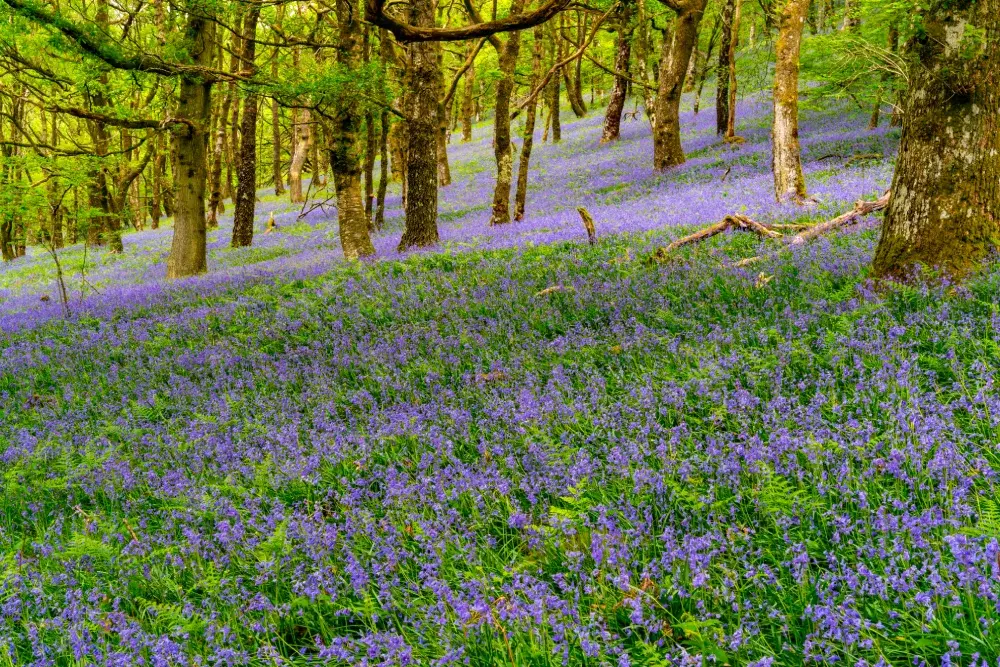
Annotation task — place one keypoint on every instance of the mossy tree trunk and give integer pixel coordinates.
(677, 48)
(789, 183)
(187, 249)
(468, 99)
(443, 118)
(521, 194)
(279, 186)
(345, 154)
(383, 169)
(642, 49)
(246, 175)
(554, 92)
(945, 205)
(503, 150)
(726, 52)
(619, 91)
(423, 99)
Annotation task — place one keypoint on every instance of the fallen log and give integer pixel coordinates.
(770, 231)
(727, 223)
(860, 210)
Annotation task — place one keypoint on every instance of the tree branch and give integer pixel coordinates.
(375, 14)
(562, 63)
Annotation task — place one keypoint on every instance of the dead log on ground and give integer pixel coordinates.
(770, 231)
(727, 223)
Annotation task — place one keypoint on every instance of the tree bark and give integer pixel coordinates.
(279, 186)
(383, 176)
(469, 99)
(422, 102)
(301, 139)
(187, 250)
(642, 63)
(156, 200)
(733, 44)
(667, 150)
(619, 91)
(726, 51)
(345, 157)
(554, 91)
(521, 195)
(215, 205)
(789, 183)
(945, 206)
(371, 153)
(444, 169)
(300, 145)
(503, 152)
(246, 188)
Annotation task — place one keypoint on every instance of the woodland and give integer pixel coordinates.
(499, 332)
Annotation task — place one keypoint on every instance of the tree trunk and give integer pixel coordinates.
(56, 208)
(187, 250)
(789, 183)
(726, 52)
(215, 205)
(573, 94)
(423, 100)
(581, 35)
(623, 51)
(232, 108)
(642, 62)
(302, 135)
(345, 156)
(469, 99)
(371, 153)
(300, 145)
(503, 152)
(521, 194)
(156, 200)
(733, 43)
(667, 150)
(279, 187)
(444, 169)
(246, 188)
(707, 63)
(383, 176)
(554, 91)
(945, 206)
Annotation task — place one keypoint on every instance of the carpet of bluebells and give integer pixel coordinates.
(516, 449)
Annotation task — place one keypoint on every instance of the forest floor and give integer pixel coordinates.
(517, 449)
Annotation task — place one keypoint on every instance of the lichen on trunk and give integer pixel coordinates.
(945, 207)
(789, 183)
(187, 249)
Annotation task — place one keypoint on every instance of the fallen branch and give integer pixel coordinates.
(770, 231)
(727, 223)
(862, 158)
(860, 210)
